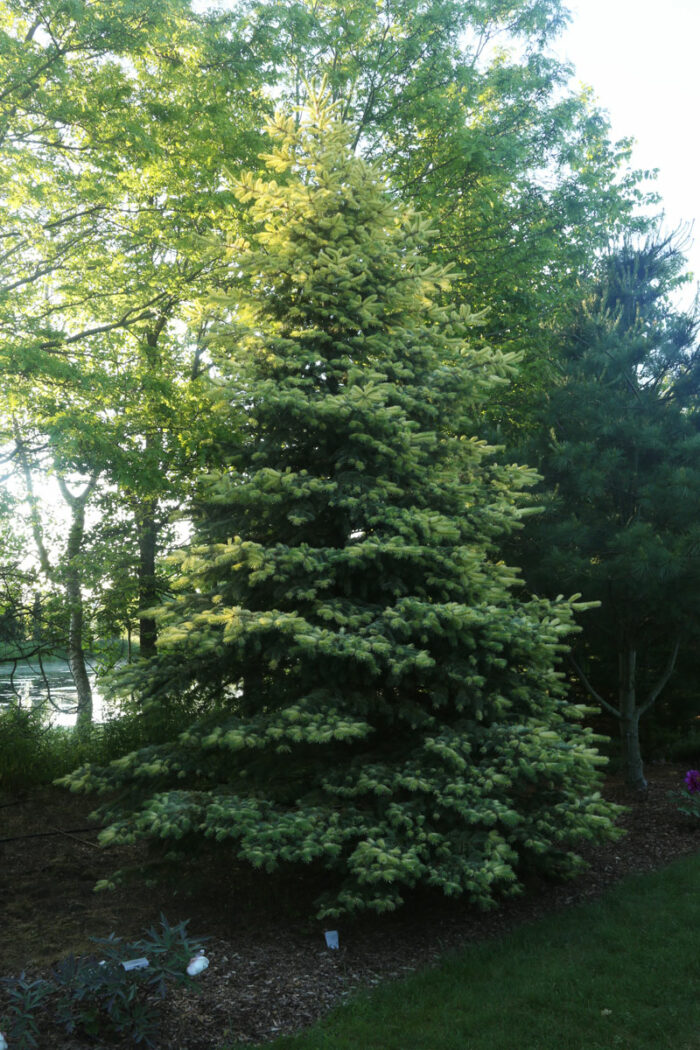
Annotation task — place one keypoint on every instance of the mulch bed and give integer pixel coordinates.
(269, 973)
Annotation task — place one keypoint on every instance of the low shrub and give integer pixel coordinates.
(33, 752)
(684, 748)
(689, 802)
(25, 748)
(24, 1001)
(99, 994)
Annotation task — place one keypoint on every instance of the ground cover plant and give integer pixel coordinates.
(621, 972)
(106, 995)
(689, 800)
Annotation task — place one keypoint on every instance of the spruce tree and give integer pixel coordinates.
(372, 695)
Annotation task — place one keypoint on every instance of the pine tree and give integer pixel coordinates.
(618, 448)
(372, 696)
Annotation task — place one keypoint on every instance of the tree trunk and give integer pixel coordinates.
(74, 594)
(72, 581)
(629, 711)
(146, 508)
(76, 654)
(629, 720)
(37, 627)
(148, 592)
(68, 575)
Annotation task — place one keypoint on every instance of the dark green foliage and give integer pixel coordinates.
(373, 697)
(34, 752)
(689, 805)
(96, 996)
(619, 449)
(24, 748)
(19, 1019)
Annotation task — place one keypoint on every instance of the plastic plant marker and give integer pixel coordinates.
(197, 964)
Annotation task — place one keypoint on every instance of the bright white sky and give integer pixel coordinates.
(641, 59)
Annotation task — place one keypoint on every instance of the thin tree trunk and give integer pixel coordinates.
(148, 592)
(147, 508)
(72, 582)
(76, 653)
(629, 719)
(37, 626)
(68, 575)
(629, 712)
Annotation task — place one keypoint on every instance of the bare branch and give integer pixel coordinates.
(37, 530)
(596, 695)
(75, 215)
(129, 318)
(663, 680)
(77, 501)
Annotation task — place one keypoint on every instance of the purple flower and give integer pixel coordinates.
(692, 781)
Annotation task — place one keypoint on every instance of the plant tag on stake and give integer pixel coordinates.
(332, 939)
(135, 964)
(197, 964)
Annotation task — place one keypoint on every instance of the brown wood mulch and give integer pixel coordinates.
(269, 973)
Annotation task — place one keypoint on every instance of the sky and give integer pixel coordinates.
(641, 57)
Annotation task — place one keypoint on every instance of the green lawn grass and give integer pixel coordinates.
(622, 972)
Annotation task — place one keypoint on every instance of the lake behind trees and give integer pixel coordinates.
(26, 684)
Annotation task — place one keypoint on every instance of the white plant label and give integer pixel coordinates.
(197, 964)
(332, 939)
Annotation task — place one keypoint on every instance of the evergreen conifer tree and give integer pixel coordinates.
(618, 448)
(372, 695)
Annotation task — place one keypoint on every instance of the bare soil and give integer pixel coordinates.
(270, 970)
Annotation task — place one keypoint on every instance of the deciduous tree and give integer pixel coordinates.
(479, 126)
(115, 123)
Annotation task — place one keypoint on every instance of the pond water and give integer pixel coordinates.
(27, 685)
